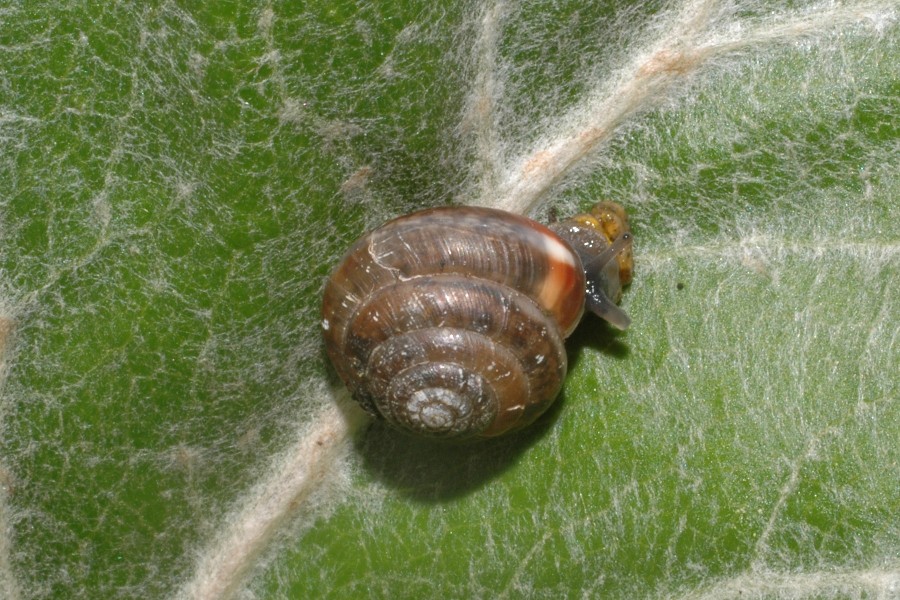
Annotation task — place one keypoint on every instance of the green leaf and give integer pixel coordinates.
(177, 180)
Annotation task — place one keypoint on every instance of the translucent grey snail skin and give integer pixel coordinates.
(450, 322)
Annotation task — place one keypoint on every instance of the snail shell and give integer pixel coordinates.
(450, 322)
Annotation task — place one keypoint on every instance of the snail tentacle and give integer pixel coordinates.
(600, 281)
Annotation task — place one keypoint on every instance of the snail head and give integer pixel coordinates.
(603, 241)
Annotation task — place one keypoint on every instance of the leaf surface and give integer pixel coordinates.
(176, 182)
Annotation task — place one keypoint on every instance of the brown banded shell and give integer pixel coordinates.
(450, 322)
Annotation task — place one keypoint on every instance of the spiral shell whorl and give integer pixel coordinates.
(461, 337)
(473, 344)
(442, 399)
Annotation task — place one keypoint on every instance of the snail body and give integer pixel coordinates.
(450, 322)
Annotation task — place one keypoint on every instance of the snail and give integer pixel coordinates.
(450, 322)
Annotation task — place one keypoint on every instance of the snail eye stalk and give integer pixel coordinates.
(599, 284)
